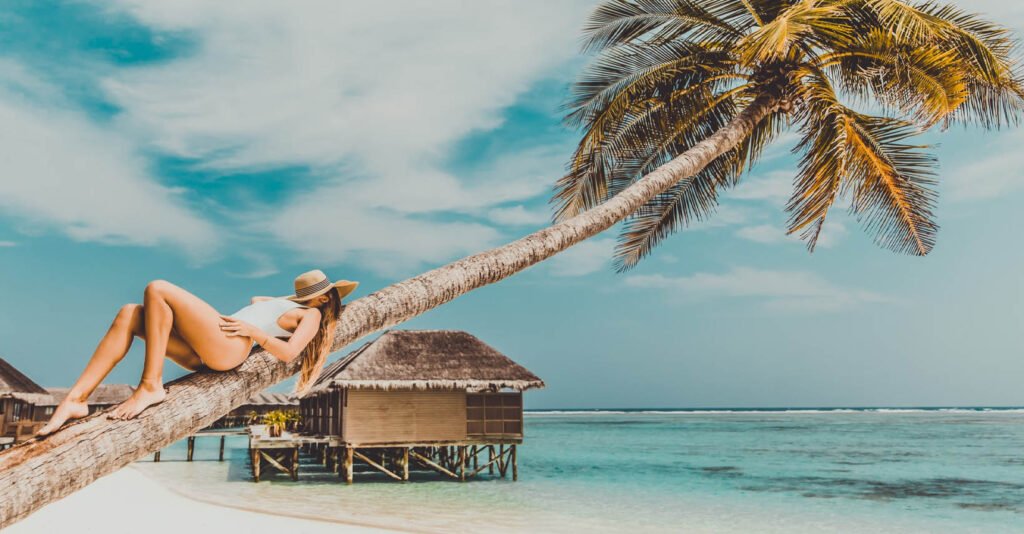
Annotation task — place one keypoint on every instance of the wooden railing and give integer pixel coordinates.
(20, 430)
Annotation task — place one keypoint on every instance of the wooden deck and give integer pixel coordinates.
(221, 433)
(280, 452)
(457, 460)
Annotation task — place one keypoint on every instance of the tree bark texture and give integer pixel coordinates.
(43, 470)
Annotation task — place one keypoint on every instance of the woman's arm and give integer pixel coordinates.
(288, 350)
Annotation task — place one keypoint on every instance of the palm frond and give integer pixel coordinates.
(621, 21)
(822, 165)
(983, 53)
(692, 199)
(632, 115)
(891, 182)
(670, 73)
(626, 71)
(798, 26)
(995, 92)
(924, 84)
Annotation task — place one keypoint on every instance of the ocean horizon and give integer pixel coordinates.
(830, 469)
(777, 409)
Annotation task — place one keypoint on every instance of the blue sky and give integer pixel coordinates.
(228, 148)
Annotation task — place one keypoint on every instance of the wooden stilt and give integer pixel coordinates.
(329, 458)
(348, 465)
(191, 447)
(221, 457)
(405, 464)
(277, 462)
(489, 465)
(378, 466)
(490, 459)
(430, 463)
(462, 463)
(501, 460)
(255, 465)
(515, 466)
(474, 457)
(295, 464)
(156, 456)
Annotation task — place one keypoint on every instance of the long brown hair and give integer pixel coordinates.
(316, 351)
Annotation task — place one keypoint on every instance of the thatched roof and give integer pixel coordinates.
(264, 398)
(13, 383)
(104, 394)
(426, 359)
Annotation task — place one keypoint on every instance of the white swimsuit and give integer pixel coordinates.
(264, 314)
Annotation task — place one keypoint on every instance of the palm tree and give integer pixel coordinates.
(684, 98)
(671, 72)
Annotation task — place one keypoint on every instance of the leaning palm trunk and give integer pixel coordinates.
(41, 471)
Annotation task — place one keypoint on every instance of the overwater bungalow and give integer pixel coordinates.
(103, 397)
(443, 398)
(257, 405)
(24, 405)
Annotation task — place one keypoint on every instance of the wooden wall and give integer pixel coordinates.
(30, 418)
(406, 416)
(498, 415)
(321, 413)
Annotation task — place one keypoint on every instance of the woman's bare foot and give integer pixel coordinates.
(67, 409)
(147, 394)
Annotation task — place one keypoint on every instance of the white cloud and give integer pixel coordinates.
(393, 245)
(354, 220)
(987, 173)
(774, 187)
(62, 171)
(1005, 12)
(259, 265)
(724, 215)
(372, 97)
(519, 215)
(763, 233)
(583, 258)
(782, 146)
(780, 290)
(8, 244)
(768, 234)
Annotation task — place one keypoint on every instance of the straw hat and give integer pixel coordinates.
(315, 283)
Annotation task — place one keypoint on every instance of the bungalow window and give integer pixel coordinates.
(494, 414)
(16, 412)
(48, 410)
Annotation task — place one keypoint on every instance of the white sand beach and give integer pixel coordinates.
(124, 501)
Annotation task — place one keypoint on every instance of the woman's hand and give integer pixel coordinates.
(232, 326)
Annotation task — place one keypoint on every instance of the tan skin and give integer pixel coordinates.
(183, 327)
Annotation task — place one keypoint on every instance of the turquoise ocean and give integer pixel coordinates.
(742, 470)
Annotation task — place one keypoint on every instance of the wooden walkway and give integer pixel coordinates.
(221, 433)
(280, 452)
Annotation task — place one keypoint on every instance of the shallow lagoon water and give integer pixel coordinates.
(662, 471)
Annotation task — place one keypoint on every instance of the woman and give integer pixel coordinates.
(184, 328)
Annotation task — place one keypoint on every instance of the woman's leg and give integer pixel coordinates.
(128, 323)
(168, 306)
